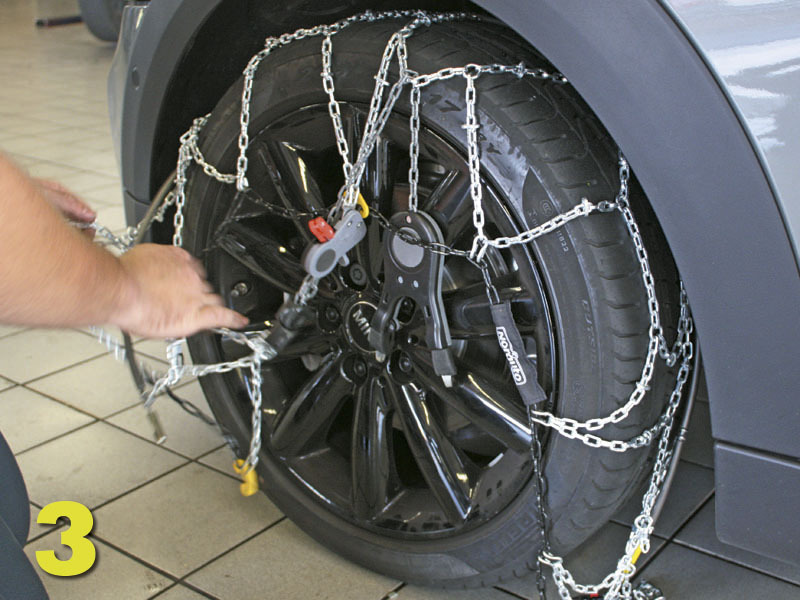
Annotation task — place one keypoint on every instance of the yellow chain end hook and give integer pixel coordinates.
(249, 485)
(362, 206)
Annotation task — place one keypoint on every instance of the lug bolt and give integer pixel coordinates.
(296, 244)
(404, 363)
(331, 314)
(359, 368)
(358, 275)
(240, 289)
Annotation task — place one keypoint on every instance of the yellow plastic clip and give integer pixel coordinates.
(362, 206)
(249, 484)
(636, 554)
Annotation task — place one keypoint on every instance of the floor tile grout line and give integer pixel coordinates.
(105, 419)
(27, 386)
(668, 538)
(141, 561)
(514, 594)
(164, 591)
(62, 369)
(397, 588)
(692, 515)
(734, 562)
(671, 538)
(188, 461)
(62, 402)
(177, 584)
(57, 437)
(239, 544)
(696, 464)
(116, 413)
(97, 173)
(13, 333)
(717, 556)
(160, 359)
(154, 443)
(236, 478)
(50, 529)
(139, 486)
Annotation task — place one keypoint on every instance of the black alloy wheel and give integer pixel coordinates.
(384, 444)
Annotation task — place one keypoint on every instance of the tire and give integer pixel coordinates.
(102, 17)
(580, 299)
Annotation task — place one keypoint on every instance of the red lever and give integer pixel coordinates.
(321, 230)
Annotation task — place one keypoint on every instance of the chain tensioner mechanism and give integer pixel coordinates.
(412, 272)
(320, 259)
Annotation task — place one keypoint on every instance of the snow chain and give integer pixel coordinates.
(617, 585)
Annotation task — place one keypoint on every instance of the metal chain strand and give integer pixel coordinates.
(616, 585)
(475, 190)
(413, 149)
(570, 427)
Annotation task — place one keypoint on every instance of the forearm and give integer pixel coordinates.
(50, 275)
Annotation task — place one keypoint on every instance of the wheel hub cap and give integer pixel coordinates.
(357, 325)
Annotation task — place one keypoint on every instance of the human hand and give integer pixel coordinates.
(167, 295)
(67, 203)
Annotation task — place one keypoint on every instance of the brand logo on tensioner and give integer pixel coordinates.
(512, 356)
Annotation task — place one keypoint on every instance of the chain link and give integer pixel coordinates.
(333, 107)
(476, 189)
(617, 584)
(292, 214)
(413, 149)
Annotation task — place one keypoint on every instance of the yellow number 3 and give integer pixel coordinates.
(83, 551)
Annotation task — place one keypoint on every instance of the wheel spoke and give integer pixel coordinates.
(353, 120)
(313, 407)
(451, 200)
(370, 452)
(468, 312)
(307, 342)
(377, 186)
(261, 255)
(378, 181)
(483, 404)
(442, 465)
(369, 252)
(295, 185)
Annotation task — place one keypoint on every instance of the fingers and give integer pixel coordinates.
(212, 299)
(66, 202)
(173, 298)
(211, 316)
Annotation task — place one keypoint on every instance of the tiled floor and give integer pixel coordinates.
(170, 522)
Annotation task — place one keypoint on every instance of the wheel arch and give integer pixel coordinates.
(660, 101)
